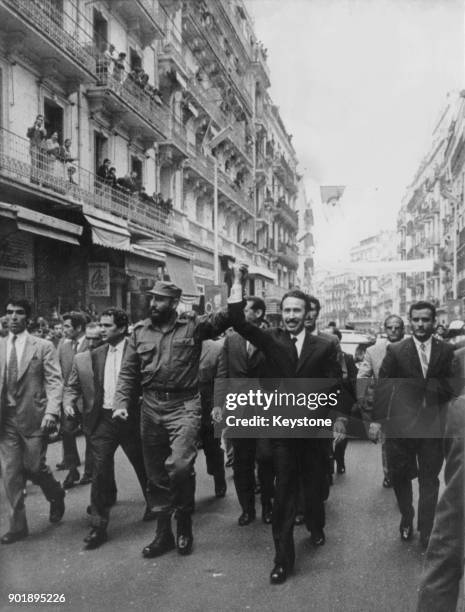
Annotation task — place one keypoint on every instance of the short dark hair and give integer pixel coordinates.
(298, 294)
(257, 303)
(332, 324)
(422, 305)
(77, 318)
(24, 304)
(337, 333)
(120, 318)
(313, 300)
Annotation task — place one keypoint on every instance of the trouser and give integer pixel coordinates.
(21, 458)
(294, 460)
(246, 452)
(69, 429)
(108, 435)
(409, 458)
(214, 454)
(169, 441)
(340, 451)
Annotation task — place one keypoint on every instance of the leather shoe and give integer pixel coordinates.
(163, 543)
(318, 538)
(406, 532)
(387, 484)
(71, 479)
(246, 518)
(299, 519)
(96, 538)
(267, 513)
(86, 479)
(184, 537)
(278, 574)
(220, 487)
(57, 509)
(149, 515)
(341, 468)
(61, 466)
(14, 536)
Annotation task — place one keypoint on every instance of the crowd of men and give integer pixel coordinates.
(153, 393)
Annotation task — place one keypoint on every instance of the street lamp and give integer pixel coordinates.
(214, 142)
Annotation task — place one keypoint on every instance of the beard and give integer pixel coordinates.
(160, 316)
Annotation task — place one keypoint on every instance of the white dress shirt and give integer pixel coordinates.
(20, 343)
(427, 344)
(300, 341)
(111, 372)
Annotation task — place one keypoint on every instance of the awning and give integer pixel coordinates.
(109, 235)
(262, 271)
(181, 274)
(42, 225)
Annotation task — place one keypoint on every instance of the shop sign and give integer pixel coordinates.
(99, 279)
(16, 257)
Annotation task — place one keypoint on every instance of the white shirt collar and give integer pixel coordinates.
(21, 336)
(118, 347)
(300, 336)
(426, 343)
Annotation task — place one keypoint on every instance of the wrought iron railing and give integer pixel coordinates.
(60, 27)
(146, 103)
(31, 165)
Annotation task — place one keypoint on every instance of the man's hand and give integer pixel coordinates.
(69, 411)
(374, 432)
(217, 414)
(120, 413)
(48, 422)
(339, 430)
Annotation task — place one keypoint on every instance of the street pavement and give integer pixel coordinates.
(363, 567)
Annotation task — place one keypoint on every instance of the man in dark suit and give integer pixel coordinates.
(30, 399)
(94, 376)
(412, 408)
(241, 359)
(440, 585)
(74, 327)
(293, 353)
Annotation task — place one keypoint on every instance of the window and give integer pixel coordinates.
(100, 31)
(100, 149)
(53, 116)
(136, 166)
(135, 60)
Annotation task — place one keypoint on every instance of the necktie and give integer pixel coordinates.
(12, 375)
(74, 345)
(423, 359)
(294, 342)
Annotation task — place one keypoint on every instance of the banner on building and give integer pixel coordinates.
(396, 266)
(99, 279)
(216, 297)
(16, 257)
(331, 201)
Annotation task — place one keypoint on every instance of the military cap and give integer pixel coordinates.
(166, 289)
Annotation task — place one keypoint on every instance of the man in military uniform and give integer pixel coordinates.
(163, 357)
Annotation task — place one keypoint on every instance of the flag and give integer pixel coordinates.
(331, 201)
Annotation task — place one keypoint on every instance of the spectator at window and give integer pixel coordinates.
(128, 182)
(103, 170)
(37, 135)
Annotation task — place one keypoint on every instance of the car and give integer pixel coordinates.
(351, 340)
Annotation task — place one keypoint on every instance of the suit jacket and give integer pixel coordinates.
(235, 362)
(87, 379)
(40, 385)
(318, 359)
(411, 404)
(66, 356)
(369, 368)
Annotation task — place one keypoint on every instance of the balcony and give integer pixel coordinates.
(260, 66)
(288, 256)
(202, 97)
(129, 105)
(54, 39)
(230, 11)
(205, 167)
(197, 26)
(171, 52)
(28, 175)
(262, 165)
(285, 213)
(143, 18)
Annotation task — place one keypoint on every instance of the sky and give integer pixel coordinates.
(360, 84)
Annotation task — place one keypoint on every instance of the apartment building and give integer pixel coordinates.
(175, 96)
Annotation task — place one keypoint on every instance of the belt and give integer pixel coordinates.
(166, 395)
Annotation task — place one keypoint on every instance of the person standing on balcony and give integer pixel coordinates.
(53, 149)
(67, 159)
(37, 135)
